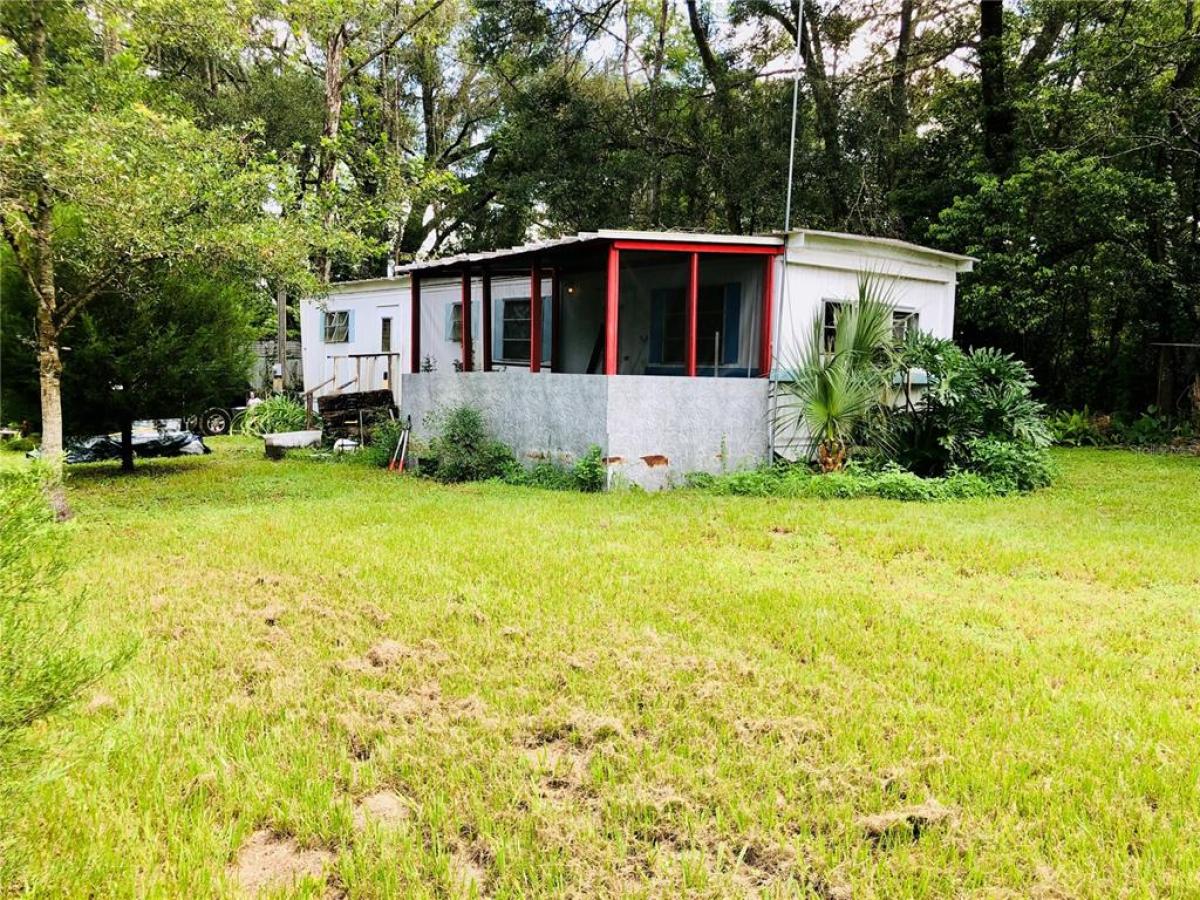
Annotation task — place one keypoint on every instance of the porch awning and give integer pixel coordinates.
(519, 256)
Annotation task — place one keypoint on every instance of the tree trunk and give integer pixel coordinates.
(717, 74)
(898, 118)
(335, 52)
(49, 358)
(825, 104)
(126, 444)
(997, 112)
(281, 336)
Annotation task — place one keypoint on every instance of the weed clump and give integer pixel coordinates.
(888, 482)
(41, 668)
(463, 450)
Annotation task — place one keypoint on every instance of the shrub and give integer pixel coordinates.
(1149, 429)
(464, 450)
(889, 482)
(41, 670)
(272, 416)
(968, 486)
(379, 451)
(18, 444)
(590, 472)
(978, 414)
(541, 475)
(1010, 466)
(905, 486)
(1078, 428)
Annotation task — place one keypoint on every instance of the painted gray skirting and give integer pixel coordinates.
(652, 429)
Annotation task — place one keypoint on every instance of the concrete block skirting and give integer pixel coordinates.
(653, 430)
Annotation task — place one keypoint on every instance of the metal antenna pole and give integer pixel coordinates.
(773, 391)
(787, 212)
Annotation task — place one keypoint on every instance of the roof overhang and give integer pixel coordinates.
(804, 237)
(547, 250)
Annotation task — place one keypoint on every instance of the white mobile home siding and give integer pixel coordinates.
(819, 267)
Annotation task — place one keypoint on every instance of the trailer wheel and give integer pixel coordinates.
(215, 421)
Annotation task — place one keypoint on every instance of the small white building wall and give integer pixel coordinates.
(819, 268)
(369, 303)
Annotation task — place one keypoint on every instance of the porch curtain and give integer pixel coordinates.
(749, 337)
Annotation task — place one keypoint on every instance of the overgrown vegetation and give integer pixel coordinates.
(588, 474)
(275, 414)
(975, 413)
(889, 482)
(42, 668)
(923, 406)
(18, 444)
(384, 437)
(1151, 429)
(464, 450)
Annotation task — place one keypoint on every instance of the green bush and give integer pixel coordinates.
(1078, 428)
(379, 451)
(1010, 466)
(542, 475)
(18, 444)
(1151, 428)
(977, 414)
(590, 472)
(41, 669)
(464, 450)
(274, 415)
(968, 486)
(889, 482)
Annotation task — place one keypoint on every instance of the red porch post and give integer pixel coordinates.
(535, 317)
(485, 316)
(468, 358)
(555, 320)
(414, 341)
(768, 301)
(612, 296)
(690, 316)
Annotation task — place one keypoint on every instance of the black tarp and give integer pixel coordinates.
(146, 446)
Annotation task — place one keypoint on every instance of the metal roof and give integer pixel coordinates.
(882, 241)
(613, 234)
(590, 237)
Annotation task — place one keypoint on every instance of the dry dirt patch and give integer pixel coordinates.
(101, 704)
(909, 821)
(383, 807)
(388, 653)
(268, 862)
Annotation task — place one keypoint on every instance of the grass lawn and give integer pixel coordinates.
(431, 691)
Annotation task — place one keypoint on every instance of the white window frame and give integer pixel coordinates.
(454, 327)
(828, 322)
(907, 320)
(335, 322)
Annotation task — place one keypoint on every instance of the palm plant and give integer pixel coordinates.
(833, 388)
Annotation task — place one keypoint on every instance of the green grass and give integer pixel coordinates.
(628, 693)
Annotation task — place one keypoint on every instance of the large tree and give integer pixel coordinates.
(97, 183)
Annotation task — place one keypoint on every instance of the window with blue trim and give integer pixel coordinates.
(718, 318)
(336, 328)
(510, 330)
